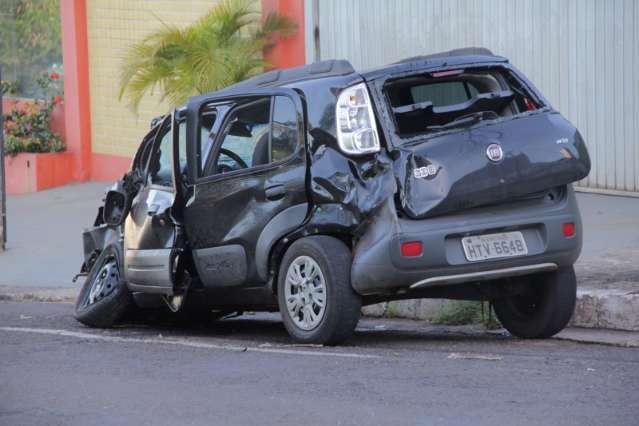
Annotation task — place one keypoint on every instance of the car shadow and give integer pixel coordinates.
(267, 328)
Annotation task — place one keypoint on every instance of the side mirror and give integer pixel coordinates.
(115, 208)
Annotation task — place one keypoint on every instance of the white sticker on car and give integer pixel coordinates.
(424, 172)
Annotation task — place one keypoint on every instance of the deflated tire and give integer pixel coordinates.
(104, 297)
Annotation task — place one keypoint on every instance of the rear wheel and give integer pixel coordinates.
(104, 297)
(316, 300)
(544, 309)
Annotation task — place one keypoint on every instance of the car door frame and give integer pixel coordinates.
(283, 222)
(192, 116)
(152, 269)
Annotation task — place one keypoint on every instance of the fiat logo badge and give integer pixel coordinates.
(494, 153)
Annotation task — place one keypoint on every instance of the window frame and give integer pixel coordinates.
(139, 162)
(228, 95)
(221, 110)
(219, 138)
(157, 140)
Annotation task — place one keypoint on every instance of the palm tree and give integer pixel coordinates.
(221, 48)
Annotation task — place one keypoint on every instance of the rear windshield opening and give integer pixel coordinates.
(443, 100)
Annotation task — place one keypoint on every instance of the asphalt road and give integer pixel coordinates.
(245, 371)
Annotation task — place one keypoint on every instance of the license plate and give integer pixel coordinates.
(494, 246)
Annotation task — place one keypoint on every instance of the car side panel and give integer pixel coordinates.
(229, 213)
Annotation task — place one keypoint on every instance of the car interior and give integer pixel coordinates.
(440, 100)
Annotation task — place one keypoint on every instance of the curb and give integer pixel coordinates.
(22, 294)
(607, 308)
(611, 309)
(623, 339)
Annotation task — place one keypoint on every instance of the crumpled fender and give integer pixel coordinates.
(101, 235)
(95, 240)
(348, 189)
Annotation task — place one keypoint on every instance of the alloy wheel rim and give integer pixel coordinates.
(305, 293)
(104, 282)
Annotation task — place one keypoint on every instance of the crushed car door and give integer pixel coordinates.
(150, 229)
(251, 188)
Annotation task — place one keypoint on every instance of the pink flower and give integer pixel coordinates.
(54, 76)
(57, 100)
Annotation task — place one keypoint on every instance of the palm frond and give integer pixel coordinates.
(276, 23)
(221, 48)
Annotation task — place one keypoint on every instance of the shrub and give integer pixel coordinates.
(28, 129)
(460, 312)
(8, 87)
(30, 42)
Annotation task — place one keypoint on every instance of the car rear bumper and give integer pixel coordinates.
(379, 268)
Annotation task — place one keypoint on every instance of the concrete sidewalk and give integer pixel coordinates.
(44, 235)
(44, 250)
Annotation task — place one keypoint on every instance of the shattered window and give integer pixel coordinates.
(443, 100)
(443, 94)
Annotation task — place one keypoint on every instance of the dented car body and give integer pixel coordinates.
(439, 176)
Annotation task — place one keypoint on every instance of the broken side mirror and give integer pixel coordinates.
(115, 207)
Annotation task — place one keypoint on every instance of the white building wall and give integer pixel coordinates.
(582, 54)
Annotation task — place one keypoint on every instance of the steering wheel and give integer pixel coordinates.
(225, 168)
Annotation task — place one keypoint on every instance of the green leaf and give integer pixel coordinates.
(219, 49)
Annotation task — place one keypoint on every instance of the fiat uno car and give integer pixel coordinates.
(319, 189)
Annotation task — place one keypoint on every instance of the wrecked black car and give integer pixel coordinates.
(319, 189)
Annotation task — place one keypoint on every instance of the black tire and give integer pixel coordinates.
(342, 305)
(544, 310)
(108, 306)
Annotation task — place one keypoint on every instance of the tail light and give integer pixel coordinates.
(356, 127)
(569, 229)
(412, 249)
(530, 105)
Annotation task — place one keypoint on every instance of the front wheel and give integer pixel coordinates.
(544, 309)
(314, 293)
(104, 297)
